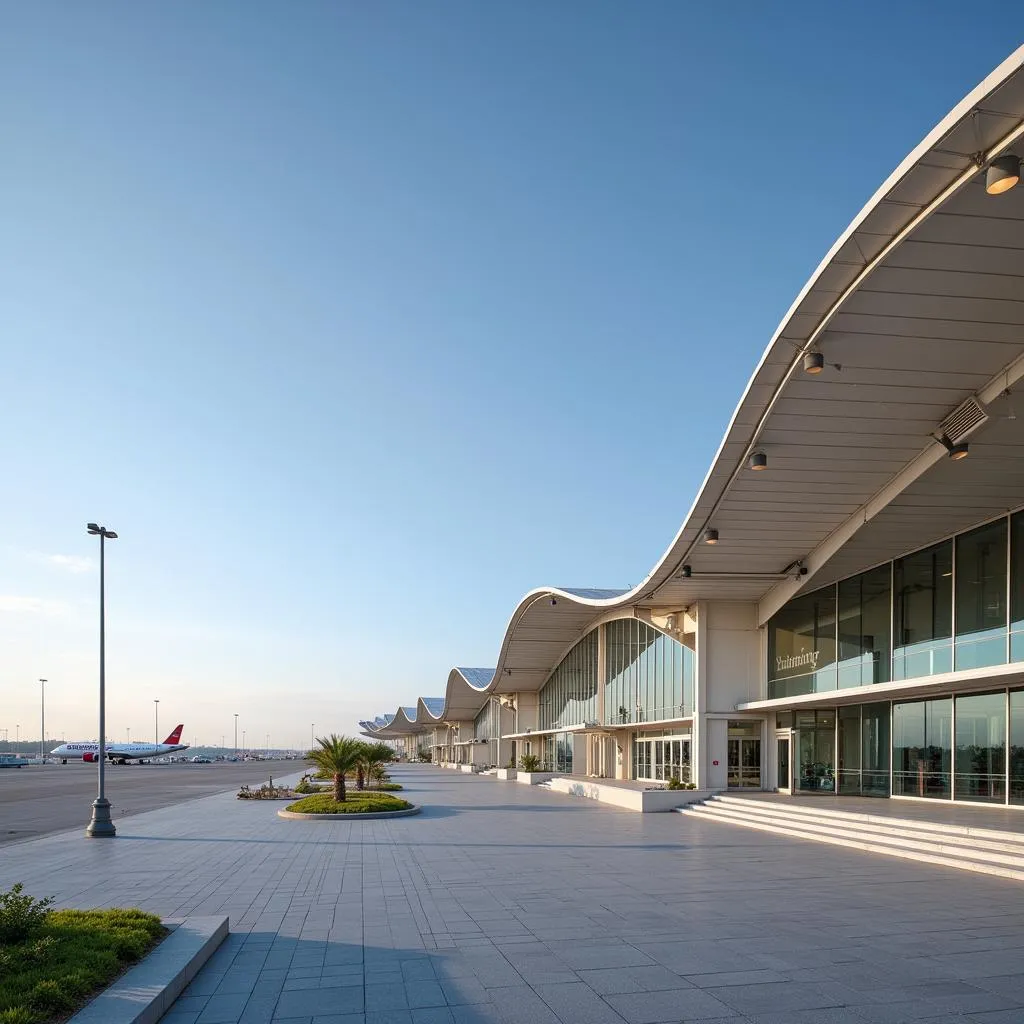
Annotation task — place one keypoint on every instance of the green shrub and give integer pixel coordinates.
(305, 785)
(529, 762)
(74, 954)
(356, 803)
(20, 914)
(674, 783)
(388, 787)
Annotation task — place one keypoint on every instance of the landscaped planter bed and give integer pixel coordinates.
(360, 804)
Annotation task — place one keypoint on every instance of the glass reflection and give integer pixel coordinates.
(981, 597)
(922, 748)
(923, 612)
(981, 748)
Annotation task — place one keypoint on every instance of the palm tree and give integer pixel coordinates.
(337, 756)
(375, 756)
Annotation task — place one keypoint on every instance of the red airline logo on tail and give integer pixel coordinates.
(175, 736)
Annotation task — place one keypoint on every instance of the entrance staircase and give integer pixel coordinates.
(989, 851)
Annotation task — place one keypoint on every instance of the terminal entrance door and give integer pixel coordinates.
(815, 746)
(744, 755)
(782, 761)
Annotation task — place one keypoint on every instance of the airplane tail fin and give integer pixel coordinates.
(175, 736)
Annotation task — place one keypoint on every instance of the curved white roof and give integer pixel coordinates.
(917, 308)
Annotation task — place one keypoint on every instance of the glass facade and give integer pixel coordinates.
(569, 697)
(648, 675)
(953, 606)
(487, 724)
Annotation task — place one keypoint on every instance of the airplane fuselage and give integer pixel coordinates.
(115, 752)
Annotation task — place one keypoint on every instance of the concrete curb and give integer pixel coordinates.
(299, 816)
(148, 990)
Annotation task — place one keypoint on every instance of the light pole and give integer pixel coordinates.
(236, 734)
(312, 742)
(42, 720)
(100, 826)
(156, 722)
(128, 732)
(17, 734)
(243, 741)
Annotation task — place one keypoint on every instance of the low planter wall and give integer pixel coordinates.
(533, 778)
(299, 816)
(507, 774)
(643, 800)
(469, 769)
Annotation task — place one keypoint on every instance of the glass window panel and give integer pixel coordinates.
(923, 612)
(981, 748)
(1017, 746)
(922, 748)
(1017, 587)
(981, 613)
(802, 645)
(875, 750)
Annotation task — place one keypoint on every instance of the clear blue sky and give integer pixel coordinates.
(358, 320)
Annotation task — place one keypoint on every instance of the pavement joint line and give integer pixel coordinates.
(148, 990)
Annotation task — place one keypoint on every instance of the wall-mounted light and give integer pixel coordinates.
(554, 601)
(757, 461)
(1002, 174)
(710, 535)
(955, 451)
(814, 362)
(687, 572)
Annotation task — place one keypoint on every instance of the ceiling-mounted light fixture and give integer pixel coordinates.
(1002, 174)
(757, 461)
(814, 362)
(687, 572)
(710, 535)
(956, 451)
(554, 601)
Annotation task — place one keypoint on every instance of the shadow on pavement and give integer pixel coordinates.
(261, 976)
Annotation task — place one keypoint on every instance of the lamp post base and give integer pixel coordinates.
(100, 826)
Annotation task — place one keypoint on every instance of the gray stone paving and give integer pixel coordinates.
(505, 904)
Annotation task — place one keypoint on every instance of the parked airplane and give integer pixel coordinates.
(120, 753)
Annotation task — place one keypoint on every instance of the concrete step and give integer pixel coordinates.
(953, 837)
(862, 836)
(800, 807)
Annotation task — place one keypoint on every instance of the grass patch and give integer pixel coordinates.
(355, 803)
(68, 959)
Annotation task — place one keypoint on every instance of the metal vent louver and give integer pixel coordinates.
(964, 420)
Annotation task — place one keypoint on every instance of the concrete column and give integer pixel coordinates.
(700, 762)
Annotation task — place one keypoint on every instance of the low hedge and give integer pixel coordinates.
(360, 802)
(71, 957)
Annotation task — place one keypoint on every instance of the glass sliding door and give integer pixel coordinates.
(922, 748)
(1017, 746)
(848, 775)
(981, 748)
(875, 749)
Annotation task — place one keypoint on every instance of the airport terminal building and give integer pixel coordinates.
(842, 609)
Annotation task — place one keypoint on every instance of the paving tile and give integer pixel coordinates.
(615, 980)
(670, 1006)
(576, 1003)
(320, 1001)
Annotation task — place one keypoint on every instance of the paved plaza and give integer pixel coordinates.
(502, 903)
